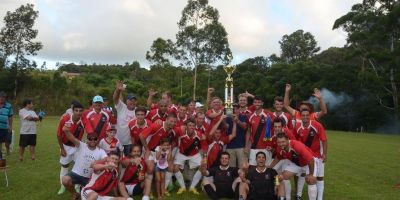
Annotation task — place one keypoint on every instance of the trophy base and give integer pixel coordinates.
(228, 111)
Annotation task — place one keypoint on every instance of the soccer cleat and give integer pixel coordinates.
(77, 188)
(181, 190)
(194, 191)
(297, 197)
(61, 190)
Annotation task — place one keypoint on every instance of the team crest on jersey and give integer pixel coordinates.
(312, 133)
(267, 176)
(104, 119)
(228, 173)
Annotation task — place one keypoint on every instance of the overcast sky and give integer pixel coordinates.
(119, 31)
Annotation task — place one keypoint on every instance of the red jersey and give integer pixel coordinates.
(311, 136)
(298, 153)
(77, 129)
(155, 115)
(190, 146)
(215, 148)
(155, 133)
(246, 112)
(102, 182)
(203, 129)
(284, 116)
(136, 130)
(97, 122)
(255, 120)
(313, 116)
(171, 108)
(181, 121)
(131, 174)
(214, 120)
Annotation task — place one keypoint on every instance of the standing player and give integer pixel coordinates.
(305, 105)
(191, 109)
(150, 138)
(166, 96)
(126, 113)
(278, 113)
(6, 119)
(132, 181)
(182, 116)
(159, 114)
(259, 135)
(299, 159)
(216, 111)
(313, 135)
(137, 125)
(236, 147)
(67, 149)
(111, 143)
(28, 133)
(96, 118)
(201, 125)
(192, 146)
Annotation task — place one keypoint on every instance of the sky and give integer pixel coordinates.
(120, 31)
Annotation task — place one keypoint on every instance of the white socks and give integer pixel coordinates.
(196, 179)
(288, 189)
(179, 178)
(320, 189)
(312, 192)
(168, 177)
(300, 184)
(63, 172)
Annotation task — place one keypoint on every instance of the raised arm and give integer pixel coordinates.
(322, 104)
(149, 101)
(119, 87)
(215, 127)
(71, 137)
(286, 101)
(210, 94)
(233, 134)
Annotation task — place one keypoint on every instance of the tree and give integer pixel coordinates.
(16, 39)
(373, 29)
(201, 40)
(298, 46)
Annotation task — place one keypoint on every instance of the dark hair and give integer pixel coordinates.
(138, 146)
(26, 102)
(279, 120)
(305, 109)
(77, 105)
(199, 113)
(140, 109)
(190, 120)
(171, 114)
(164, 140)
(115, 153)
(225, 153)
(260, 152)
(278, 98)
(258, 98)
(282, 135)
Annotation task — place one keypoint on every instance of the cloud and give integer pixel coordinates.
(120, 31)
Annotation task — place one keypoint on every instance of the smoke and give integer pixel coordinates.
(331, 99)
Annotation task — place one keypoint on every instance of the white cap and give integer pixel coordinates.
(199, 105)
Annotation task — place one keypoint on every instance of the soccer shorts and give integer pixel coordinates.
(27, 139)
(194, 161)
(85, 193)
(134, 189)
(292, 167)
(78, 179)
(70, 155)
(253, 153)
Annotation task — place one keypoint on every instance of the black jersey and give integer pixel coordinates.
(223, 178)
(262, 184)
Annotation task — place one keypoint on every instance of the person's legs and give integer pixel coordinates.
(21, 153)
(32, 151)
(320, 179)
(241, 157)
(158, 183)
(210, 190)
(122, 189)
(8, 141)
(243, 190)
(162, 183)
(32, 145)
(232, 157)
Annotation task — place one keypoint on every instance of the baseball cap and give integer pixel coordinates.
(98, 98)
(131, 96)
(3, 94)
(198, 105)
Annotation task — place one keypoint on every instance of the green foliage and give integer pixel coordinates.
(298, 46)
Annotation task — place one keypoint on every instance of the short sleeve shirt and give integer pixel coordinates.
(6, 112)
(124, 116)
(85, 157)
(27, 127)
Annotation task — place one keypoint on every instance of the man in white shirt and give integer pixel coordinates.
(126, 113)
(27, 136)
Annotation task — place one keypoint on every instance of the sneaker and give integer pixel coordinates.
(297, 197)
(181, 190)
(77, 188)
(61, 190)
(194, 191)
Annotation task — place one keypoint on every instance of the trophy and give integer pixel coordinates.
(229, 89)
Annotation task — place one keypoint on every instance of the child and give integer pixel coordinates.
(111, 143)
(163, 156)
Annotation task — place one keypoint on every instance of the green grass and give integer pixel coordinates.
(360, 166)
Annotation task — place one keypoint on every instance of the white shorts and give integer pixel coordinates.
(85, 193)
(291, 167)
(279, 166)
(194, 161)
(70, 155)
(252, 156)
(152, 156)
(320, 167)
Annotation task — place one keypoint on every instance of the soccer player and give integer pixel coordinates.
(305, 105)
(260, 181)
(166, 96)
(85, 155)
(126, 113)
(150, 138)
(216, 111)
(137, 125)
(111, 143)
(243, 109)
(192, 147)
(299, 159)
(159, 114)
(96, 118)
(236, 147)
(28, 133)
(191, 108)
(103, 179)
(313, 135)
(278, 113)
(201, 125)
(259, 134)
(6, 120)
(132, 181)
(182, 116)
(223, 177)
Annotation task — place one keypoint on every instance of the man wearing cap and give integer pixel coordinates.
(6, 114)
(126, 113)
(96, 119)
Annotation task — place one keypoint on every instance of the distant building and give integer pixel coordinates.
(69, 75)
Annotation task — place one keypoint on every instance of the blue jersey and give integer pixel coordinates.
(240, 140)
(5, 113)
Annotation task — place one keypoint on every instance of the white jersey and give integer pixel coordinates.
(124, 116)
(27, 127)
(162, 163)
(84, 157)
(110, 146)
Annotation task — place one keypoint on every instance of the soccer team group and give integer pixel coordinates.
(251, 154)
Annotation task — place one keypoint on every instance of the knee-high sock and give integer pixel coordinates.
(320, 189)
(312, 192)
(196, 179)
(168, 177)
(300, 184)
(211, 192)
(63, 172)
(179, 178)
(288, 189)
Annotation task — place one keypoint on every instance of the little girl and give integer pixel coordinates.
(163, 156)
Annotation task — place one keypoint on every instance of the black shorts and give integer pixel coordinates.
(5, 136)
(137, 190)
(227, 192)
(78, 179)
(27, 139)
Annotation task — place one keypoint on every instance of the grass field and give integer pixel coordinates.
(360, 166)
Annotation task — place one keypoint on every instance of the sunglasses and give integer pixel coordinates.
(92, 139)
